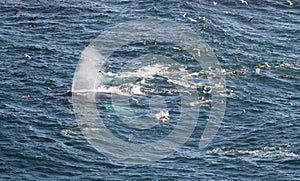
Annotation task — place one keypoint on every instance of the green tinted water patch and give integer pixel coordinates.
(116, 108)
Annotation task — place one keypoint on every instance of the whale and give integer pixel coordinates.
(83, 94)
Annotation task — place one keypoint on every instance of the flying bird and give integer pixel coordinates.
(251, 19)
(16, 12)
(291, 3)
(244, 2)
(192, 20)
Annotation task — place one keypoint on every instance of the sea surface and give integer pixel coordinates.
(256, 43)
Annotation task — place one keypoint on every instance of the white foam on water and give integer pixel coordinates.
(272, 151)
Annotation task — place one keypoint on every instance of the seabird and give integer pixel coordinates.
(16, 12)
(244, 2)
(31, 25)
(47, 88)
(198, 51)
(257, 70)
(155, 42)
(136, 100)
(164, 119)
(251, 19)
(192, 20)
(33, 19)
(291, 2)
(237, 73)
(27, 96)
(163, 116)
(177, 48)
(267, 65)
(26, 55)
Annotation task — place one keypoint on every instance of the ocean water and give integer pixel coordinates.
(259, 136)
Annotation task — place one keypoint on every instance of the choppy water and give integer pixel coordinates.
(259, 136)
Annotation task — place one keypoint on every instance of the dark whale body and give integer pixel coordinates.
(99, 95)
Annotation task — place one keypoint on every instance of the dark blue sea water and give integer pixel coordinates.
(259, 136)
